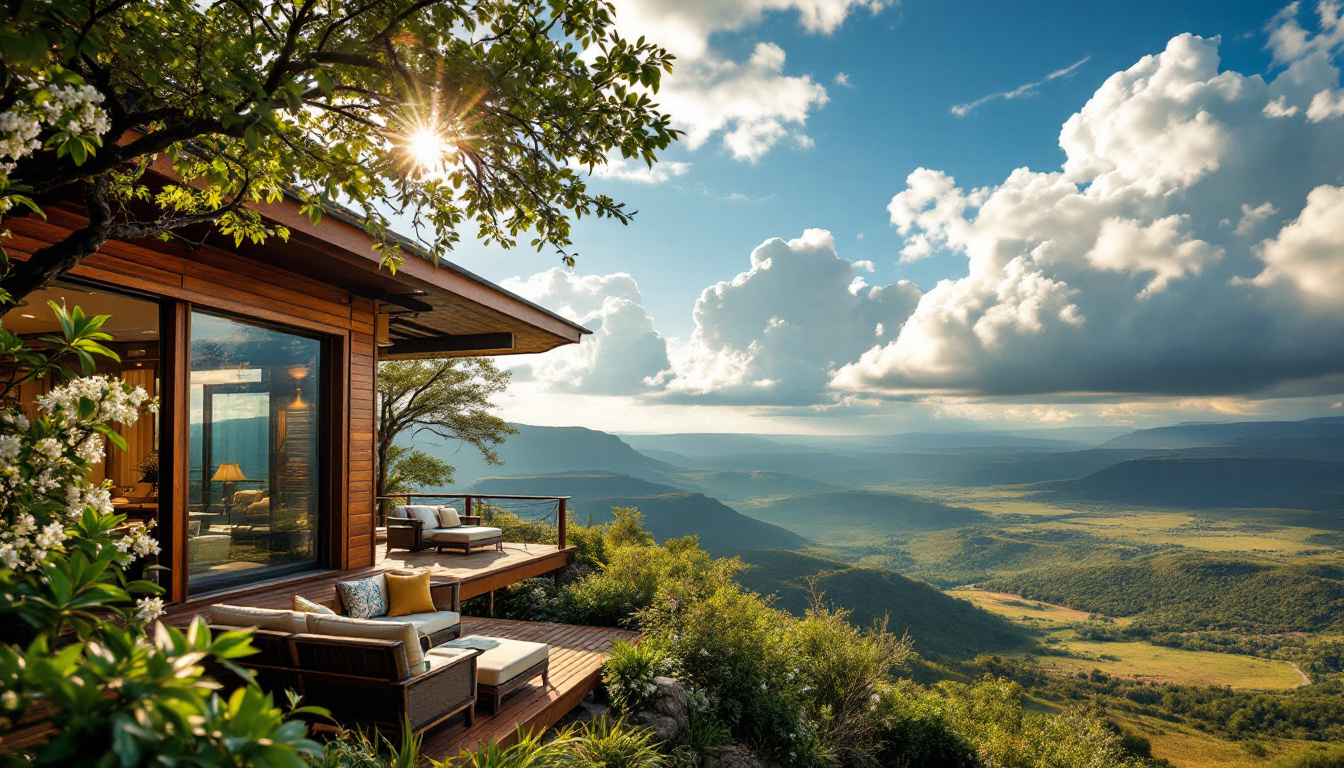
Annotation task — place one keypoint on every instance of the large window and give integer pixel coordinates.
(254, 462)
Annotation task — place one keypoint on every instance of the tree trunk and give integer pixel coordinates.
(47, 264)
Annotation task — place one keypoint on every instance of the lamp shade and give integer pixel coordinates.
(228, 473)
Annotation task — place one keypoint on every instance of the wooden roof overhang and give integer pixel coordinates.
(434, 310)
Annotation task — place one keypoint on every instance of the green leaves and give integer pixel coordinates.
(253, 100)
(81, 337)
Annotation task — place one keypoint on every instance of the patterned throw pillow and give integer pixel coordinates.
(363, 599)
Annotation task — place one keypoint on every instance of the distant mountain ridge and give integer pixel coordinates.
(668, 512)
(1211, 483)
(1198, 434)
(844, 515)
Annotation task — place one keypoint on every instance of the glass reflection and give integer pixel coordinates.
(253, 471)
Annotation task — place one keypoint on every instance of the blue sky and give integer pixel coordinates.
(825, 140)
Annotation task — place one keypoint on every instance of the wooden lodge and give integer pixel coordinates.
(258, 468)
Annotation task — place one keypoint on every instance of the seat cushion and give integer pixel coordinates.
(426, 623)
(276, 619)
(501, 659)
(463, 534)
(365, 598)
(345, 626)
(448, 518)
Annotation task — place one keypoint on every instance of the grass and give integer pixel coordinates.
(1191, 748)
(1017, 607)
(1143, 661)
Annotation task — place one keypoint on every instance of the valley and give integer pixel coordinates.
(1188, 579)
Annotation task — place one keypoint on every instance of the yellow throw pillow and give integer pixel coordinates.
(409, 594)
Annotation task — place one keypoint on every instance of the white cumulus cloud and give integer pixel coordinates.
(625, 355)
(1121, 273)
(752, 105)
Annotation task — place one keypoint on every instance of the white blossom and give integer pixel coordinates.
(149, 608)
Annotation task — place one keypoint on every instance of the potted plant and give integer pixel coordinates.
(149, 473)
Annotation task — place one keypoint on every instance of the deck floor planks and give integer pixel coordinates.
(577, 655)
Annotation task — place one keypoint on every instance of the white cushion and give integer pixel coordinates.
(448, 517)
(344, 626)
(427, 623)
(427, 515)
(462, 534)
(501, 659)
(399, 512)
(275, 619)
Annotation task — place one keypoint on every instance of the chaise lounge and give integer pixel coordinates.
(417, 527)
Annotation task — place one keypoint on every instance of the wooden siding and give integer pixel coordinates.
(215, 279)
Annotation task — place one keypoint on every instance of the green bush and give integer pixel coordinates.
(528, 600)
(629, 675)
(1318, 757)
(916, 731)
(843, 669)
(604, 743)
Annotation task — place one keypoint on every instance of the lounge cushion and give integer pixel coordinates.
(365, 598)
(275, 619)
(427, 515)
(448, 517)
(408, 593)
(426, 623)
(345, 626)
(462, 534)
(304, 605)
(501, 659)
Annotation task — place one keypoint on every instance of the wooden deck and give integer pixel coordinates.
(480, 572)
(577, 654)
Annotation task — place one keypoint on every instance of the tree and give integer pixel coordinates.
(477, 114)
(448, 398)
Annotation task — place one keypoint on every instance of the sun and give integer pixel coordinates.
(427, 148)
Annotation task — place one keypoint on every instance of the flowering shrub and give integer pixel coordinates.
(55, 100)
(79, 646)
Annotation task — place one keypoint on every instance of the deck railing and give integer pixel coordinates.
(473, 501)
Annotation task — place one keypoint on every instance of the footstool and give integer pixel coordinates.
(504, 665)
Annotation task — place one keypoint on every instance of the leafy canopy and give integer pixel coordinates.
(461, 114)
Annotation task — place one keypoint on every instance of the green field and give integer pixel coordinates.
(1154, 663)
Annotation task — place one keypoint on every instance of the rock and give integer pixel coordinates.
(673, 701)
(586, 712)
(663, 727)
(738, 756)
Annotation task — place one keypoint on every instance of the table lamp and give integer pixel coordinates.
(228, 474)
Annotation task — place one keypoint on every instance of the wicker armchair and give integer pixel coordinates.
(446, 596)
(368, 682)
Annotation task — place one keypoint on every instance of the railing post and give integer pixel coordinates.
(466, 505)
(561, 523)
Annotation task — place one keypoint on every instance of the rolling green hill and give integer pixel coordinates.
(1188, 590)
(940, 625)
(850, 515)
(668, 512)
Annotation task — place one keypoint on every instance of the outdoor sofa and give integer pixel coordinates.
(415, 527)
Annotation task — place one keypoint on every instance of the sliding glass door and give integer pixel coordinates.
(254, 469)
